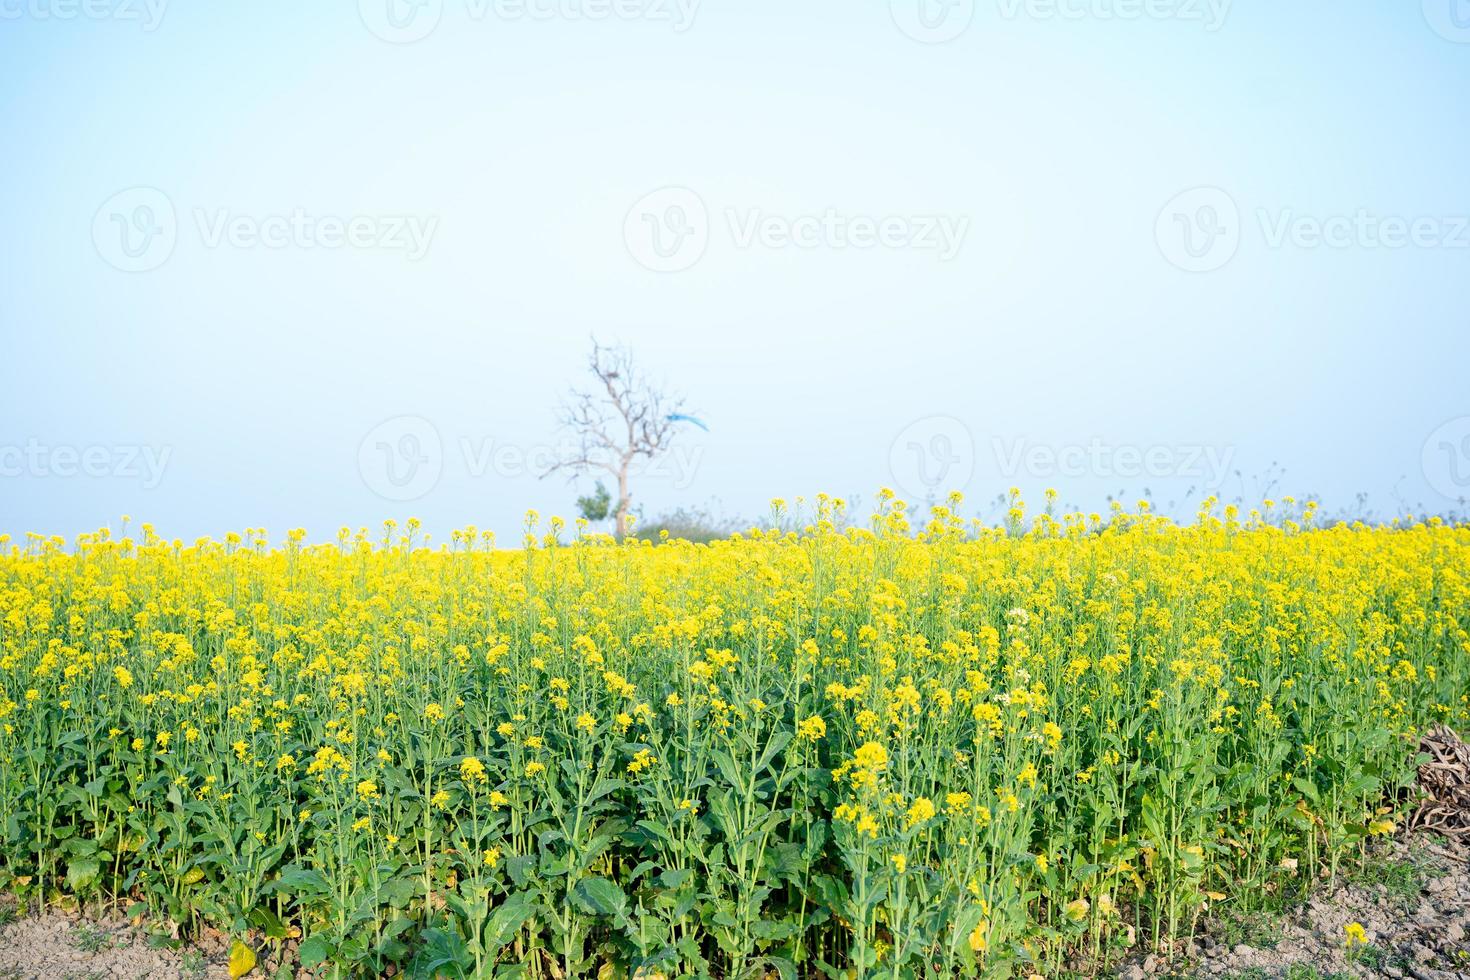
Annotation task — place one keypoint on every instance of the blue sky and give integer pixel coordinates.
(1101, 245)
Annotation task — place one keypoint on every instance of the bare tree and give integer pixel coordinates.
(623, 418)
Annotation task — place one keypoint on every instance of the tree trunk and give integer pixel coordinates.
(624, 502)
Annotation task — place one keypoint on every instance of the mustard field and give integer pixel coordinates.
(914, 748)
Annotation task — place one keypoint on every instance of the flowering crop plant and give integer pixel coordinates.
(911, 748)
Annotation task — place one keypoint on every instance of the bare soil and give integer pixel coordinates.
(1412, 900)
(60, 945)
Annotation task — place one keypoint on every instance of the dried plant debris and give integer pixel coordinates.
(1445, 780)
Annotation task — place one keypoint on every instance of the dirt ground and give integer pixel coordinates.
(56, 945)
(1412, 901)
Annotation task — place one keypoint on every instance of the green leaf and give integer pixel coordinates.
(520, 868)
(81, 873)
(778, 742)
(267, 922)
(508, 918)
(601, 897)
(656, 829)
(602, 788)
(1306, 789)
(441, 948)
(773, 930)
(301, 882)
(314, 951)
(728, 770)
(674, 877)
(784, 967)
